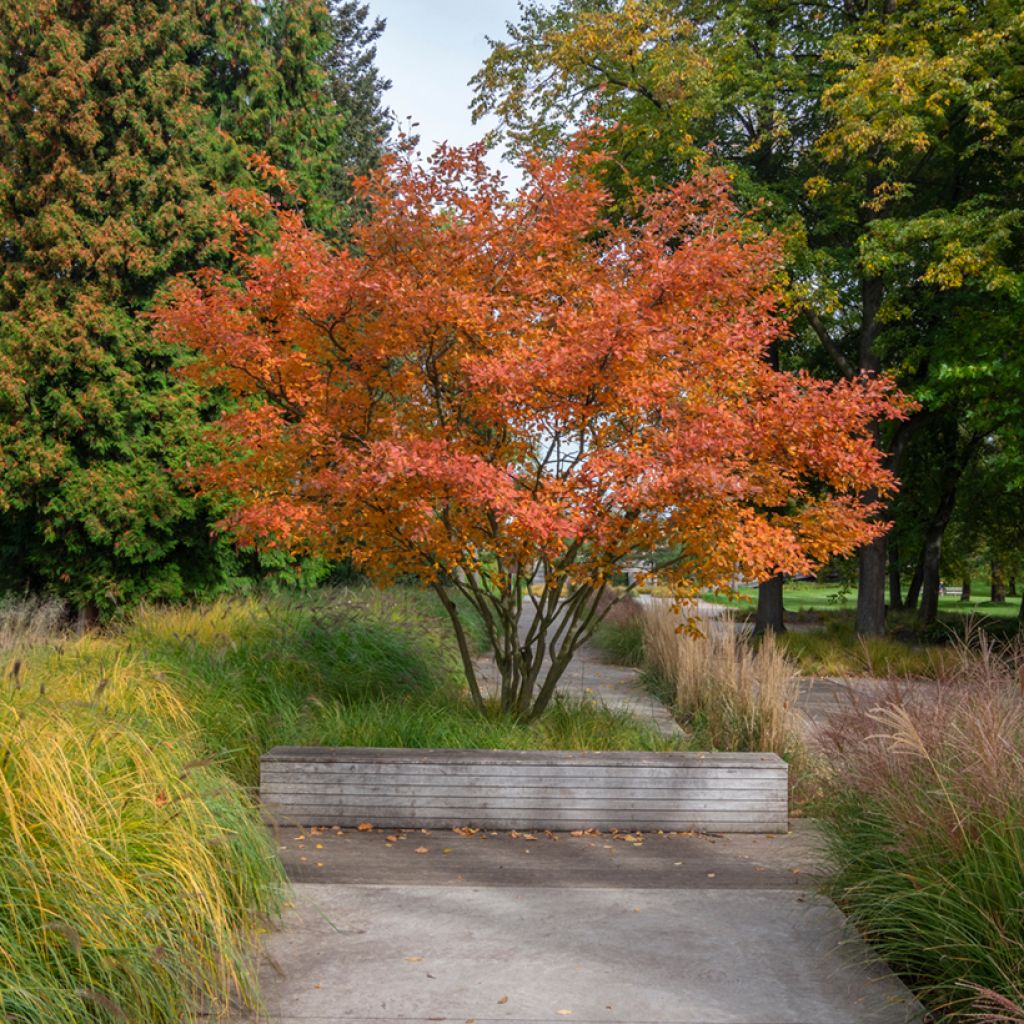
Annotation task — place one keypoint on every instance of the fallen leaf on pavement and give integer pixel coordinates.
(422, 849)
(503, 999)
(364, 826)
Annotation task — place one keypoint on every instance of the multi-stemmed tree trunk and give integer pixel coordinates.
(533, 636)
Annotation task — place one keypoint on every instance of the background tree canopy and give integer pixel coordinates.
(882, 137)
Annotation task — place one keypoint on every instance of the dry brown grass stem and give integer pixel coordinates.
(741, 694)
(27, 622)
(992, 1008)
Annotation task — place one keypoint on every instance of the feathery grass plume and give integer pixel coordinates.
(992, 1008)
(732, 694)
(926, 821)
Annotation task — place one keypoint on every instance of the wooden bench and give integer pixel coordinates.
(525, 789)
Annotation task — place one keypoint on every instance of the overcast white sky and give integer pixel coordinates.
(430, 50)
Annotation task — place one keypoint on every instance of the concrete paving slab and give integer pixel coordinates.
(359, 954)
(556, 859)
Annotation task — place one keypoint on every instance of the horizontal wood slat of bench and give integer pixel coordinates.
(451, 755)
(557, 790)
(396, 788)
(441, 773)
(469, 801)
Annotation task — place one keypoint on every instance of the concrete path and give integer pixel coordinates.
(410, 926)
(822, 698)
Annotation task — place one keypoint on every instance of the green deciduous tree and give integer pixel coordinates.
(884, 136)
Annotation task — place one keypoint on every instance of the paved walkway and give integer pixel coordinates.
(821, 697)
(477, 927)
(416, 926)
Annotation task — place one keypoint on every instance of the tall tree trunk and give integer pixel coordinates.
(870, 619)
(1011, 590)
(895, 582)
(965, 590)
(769, 607)
(998, 584)
(1020, 628)
(914, 590)
(931, 555)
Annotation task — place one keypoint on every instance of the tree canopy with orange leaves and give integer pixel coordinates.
(508, 395)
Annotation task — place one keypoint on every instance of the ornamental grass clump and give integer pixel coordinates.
(926, 819)
(134, 875)
(732, 694)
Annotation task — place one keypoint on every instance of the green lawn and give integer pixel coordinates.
(801, 597)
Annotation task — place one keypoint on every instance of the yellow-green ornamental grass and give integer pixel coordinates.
(133, 877)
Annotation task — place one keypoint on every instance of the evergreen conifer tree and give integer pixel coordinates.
(123, 122)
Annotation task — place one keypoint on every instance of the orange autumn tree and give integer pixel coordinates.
(507, 395)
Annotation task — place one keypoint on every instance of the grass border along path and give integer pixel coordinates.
(135, 873)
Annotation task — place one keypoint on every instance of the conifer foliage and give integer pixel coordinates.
(122, 122)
